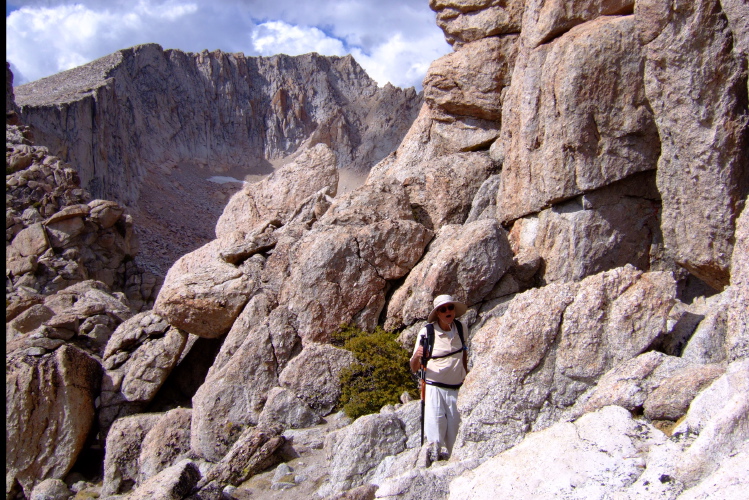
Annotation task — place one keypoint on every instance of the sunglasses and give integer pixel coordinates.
(444, 309)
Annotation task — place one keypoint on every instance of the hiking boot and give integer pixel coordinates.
(434, 452)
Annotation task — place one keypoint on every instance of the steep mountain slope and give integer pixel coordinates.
(146, 127)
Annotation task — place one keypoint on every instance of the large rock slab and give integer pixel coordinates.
(469, 82)
(285, 408)
(464, 21)
(173, 483)
(313, 375)
(49, 412)
(550, 346)
(600, 230)
(122, 452)
(139, 356)
(737, 321)
(544, 20)
(695, 85)
(354, 452)
(167, 443)
(559, 136)
(254, 451)
(599, 454)
(465, 261)
(355, 247)
(719, 417)
(202, 294)
(279, 196)
(233, 396)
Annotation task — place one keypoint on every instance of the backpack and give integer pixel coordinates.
(430, 340)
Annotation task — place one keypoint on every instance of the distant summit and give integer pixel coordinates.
(146, 127)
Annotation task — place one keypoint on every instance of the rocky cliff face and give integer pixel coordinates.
(146, 127)
(581, 188)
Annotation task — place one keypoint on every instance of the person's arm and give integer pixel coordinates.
(415, 361)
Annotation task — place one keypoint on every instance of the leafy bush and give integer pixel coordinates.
(380, 374)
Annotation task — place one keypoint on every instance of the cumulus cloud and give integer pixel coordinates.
(393, 40)
(278, 37)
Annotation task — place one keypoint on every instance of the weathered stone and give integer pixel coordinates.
(728, 481)
(737, 322)
(354, 452)
(173, 483)
(560, 138)
(601, 230)
(356, 246)
(31, 318)
(254, 451)
(232, 396)
(202, 294)
(544, 20)
(719, 415)
(105, 213)
(285, 408)
(694, 83)
(280, 195)
(165, 444)
(62, 233)
(313, 375)
(51, 489)
(79, 211)
(31, 241)
(582, 459)
(671, 399)
(707, 342)
(484, 205)
(49, 412)
(464, 21)
(465, 261)
(630, 383)
(549, 347)
(469, 82)
(123, 449)
(138, 358)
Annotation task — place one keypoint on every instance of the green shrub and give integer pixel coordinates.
(380, 374)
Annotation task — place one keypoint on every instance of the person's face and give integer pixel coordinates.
(446, 313)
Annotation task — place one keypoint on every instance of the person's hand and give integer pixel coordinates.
(419, 352)
(415, 360)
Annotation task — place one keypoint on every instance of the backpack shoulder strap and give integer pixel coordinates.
(430, 338)
(459, 326)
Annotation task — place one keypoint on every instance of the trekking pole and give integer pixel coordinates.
(423, 381)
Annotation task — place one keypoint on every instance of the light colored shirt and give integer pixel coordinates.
(447, 370)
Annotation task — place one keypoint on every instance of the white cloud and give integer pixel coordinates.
(393, 40)
(278, 37)
(402, 62)
(170, 11)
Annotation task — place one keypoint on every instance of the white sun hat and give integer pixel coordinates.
(441, 300)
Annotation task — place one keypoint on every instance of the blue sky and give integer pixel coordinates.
(393, 40)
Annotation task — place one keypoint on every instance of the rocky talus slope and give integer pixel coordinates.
(578, 175)
(147, 127)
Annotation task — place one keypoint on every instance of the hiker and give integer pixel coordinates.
(446, 369)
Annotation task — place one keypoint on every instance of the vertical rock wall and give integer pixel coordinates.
(144, 107)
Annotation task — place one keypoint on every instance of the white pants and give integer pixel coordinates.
(441, 417)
